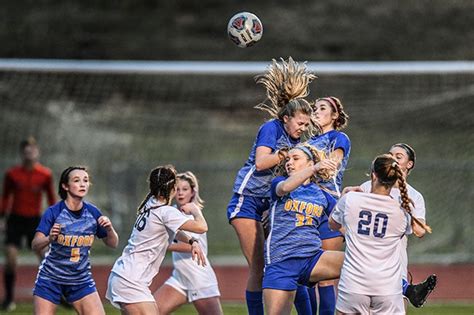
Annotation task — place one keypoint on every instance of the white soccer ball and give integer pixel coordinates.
(244, 29)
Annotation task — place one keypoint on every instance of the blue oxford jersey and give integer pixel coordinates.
(328, 142)
(251, 182)
(294, 220)
(67, 260)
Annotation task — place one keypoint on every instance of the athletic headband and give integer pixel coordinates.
(305, 150)
(330, 101)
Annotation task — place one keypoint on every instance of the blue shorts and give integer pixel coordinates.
(289, 273)
(52, 291)
(325, 232)
(249, 207)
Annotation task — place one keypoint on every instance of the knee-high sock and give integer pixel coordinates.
(327, 300)
(404, 286)
(314, 300)
(9, 282)
(302, 302)
(254, 302)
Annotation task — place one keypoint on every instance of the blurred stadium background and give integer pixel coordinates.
(122, 119)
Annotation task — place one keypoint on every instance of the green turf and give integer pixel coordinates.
(237, 309)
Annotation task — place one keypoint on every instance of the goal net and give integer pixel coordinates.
(121, 119)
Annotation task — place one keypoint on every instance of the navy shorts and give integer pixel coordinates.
(249, 207)
(288, 274)
(325, 232)
(52, 291)
(18, 228)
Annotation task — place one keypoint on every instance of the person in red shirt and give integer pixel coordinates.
(21, 205)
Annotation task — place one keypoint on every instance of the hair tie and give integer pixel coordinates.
(394, 164)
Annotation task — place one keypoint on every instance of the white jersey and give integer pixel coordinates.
(186, 270)
(418, 211)
(374, 227)
(152, 233)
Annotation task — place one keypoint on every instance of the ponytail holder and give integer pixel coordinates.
(394, 164)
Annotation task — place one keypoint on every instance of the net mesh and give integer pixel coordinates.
(123, 125)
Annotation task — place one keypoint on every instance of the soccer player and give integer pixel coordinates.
(286, 84)
(156, 226)
(374, 225)
(21, 204)
(293, 254)
(406, 157)
(189, 282)
(68, 229)
(329, 115)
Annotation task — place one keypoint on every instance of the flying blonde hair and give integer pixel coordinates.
(286, 84)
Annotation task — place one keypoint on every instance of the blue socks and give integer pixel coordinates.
(404, 286)
(313, 299)
(302, 301)
(254, 302)
(327, 300)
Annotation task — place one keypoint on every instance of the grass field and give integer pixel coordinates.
(238, 309)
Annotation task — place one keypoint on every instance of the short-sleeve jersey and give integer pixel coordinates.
(251, 182)
(418, 209)
(188, 272)
(23, 190)
(67, 260)
(329, 142)
(374, 227)
(153, 231)
(294, 220)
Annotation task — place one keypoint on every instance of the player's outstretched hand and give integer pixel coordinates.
(351, 188)
(54, 232)
(198, 254)
(325, 165)
(105, 222)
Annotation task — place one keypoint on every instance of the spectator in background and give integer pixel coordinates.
(21, 205)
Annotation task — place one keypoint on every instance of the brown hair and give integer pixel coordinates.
(64, 179)
(388, 173)
(26, 142)
(193, 182)
(337, 107)
(161, 181)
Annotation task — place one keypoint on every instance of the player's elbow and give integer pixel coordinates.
(333, 225)
(201, 228)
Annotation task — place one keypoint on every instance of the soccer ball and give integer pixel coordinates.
(244, 29)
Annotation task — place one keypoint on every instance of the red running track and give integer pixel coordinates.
(455, 282)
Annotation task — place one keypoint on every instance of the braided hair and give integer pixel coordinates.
(388, 173)
(162, 181)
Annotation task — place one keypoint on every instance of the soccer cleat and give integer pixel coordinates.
(8, 306)
(418, 293)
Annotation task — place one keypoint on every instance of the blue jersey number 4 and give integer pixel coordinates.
(379, 227)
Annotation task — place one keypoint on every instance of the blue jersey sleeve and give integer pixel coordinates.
(275, 182)
(267, 136)
(342, 142)
(101, 232)
(331, 203)
(47, 221)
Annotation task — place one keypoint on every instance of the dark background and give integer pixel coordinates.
(196, 30)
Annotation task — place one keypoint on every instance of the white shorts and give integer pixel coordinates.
(193, 295)
(351, 303)
(121, 290)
